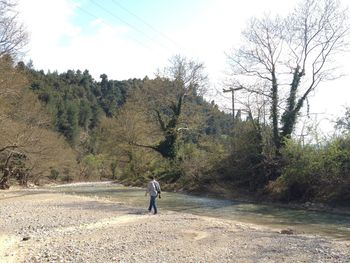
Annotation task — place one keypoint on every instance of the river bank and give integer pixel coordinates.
(229, 192)
(39, 225)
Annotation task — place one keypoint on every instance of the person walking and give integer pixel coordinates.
(153, 189)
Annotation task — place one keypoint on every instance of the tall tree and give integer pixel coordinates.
(163, 100)
(296, 52)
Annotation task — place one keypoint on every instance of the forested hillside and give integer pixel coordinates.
(76, 101)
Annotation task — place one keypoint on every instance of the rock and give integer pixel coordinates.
(287, 231)
(308, 204)
(25, 238)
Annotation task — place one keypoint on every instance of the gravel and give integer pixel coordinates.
(42, 226)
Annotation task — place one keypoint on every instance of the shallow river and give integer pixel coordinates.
(311, 222)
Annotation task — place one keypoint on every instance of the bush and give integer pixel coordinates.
(314, 173)
(54, 174)
(245, 166)
(67, 177)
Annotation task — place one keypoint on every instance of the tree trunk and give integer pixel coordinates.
(167, 147)
(274, 113)
(7, 173)
(4, 180)
(289, 117)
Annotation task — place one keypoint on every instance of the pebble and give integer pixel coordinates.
(58, 224)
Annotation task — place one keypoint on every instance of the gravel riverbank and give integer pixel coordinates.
(42, 226)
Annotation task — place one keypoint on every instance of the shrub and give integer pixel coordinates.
(316, 173)
(54, 174)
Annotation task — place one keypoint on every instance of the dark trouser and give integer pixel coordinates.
(152, 204)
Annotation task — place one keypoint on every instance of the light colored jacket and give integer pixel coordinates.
(153, 188)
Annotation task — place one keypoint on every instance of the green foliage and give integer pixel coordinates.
(71, 131)
(113, 165)
(85, 115)
(54, 174)
(95, 167)
(78, 102)
(135, 171)
(343, 123)
(245, 163)
(67, 176)
(198, 160)
(217, 122)
(315, 173)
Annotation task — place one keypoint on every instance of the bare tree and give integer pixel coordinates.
(28, 148)
(13, 36)
(292, 56)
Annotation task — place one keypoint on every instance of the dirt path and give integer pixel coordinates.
(39, 226)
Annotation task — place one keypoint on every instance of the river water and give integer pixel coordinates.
(304, 221)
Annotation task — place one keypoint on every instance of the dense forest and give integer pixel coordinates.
(68, 126)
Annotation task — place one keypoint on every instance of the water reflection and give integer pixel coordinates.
(301, 220)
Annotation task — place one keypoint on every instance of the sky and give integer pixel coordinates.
(133, 38)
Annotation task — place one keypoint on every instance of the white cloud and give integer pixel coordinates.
(57, 44)
(48, 20)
